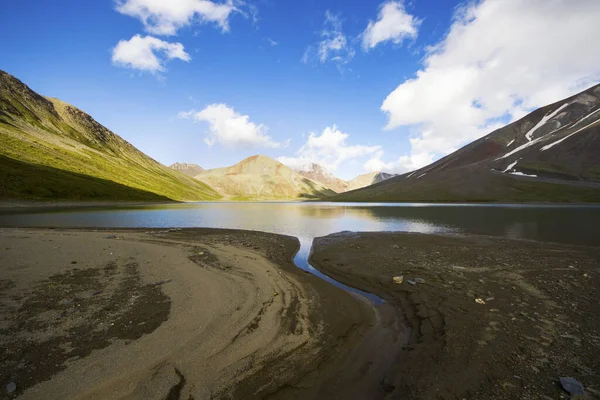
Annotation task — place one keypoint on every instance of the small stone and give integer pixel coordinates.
(398, 279)
(489, 298)
(11, 387)
(572, 386)
(275, 294)
(201, 253)
(411, 282)
(585, 275)
(479, 301)
(457, 267)
(419, 280)
(110, 237)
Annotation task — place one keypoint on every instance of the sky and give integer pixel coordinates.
(354, 85)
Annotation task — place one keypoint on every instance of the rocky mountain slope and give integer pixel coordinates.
(550, 155)
(369, 179)
(262, 178)
(188, 169)
(50, 150)
(317, 173)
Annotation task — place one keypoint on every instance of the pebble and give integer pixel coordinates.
(11, 387)
(572, 386)
(398, 279)
(419, 280)
(479, 301)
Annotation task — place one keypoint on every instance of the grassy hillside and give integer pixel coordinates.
(262, 178)
(40, 136)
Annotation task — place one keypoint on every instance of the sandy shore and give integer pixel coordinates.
(173, 314)
(491, 318)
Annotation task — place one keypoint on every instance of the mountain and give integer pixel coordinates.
(550, 155)
(365, 180)
(317, 173)
(262, 178)
(50, 150)
(188, 169)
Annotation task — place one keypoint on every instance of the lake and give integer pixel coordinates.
(567, 224)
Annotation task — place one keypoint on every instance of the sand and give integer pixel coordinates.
(490, 318)
(169, 314)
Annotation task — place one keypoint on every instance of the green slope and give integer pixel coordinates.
(40, 137)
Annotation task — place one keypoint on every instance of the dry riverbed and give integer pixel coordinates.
(169, 314)
(491, 318)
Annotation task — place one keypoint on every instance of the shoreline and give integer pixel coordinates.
(536, 322)
(246, 320)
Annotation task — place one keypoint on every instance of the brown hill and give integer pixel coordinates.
(262, 178)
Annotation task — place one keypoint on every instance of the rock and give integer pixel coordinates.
(411, 282)
(419, 280)
(572, 386)
(457, 267)
(490, 298)
(11, 387)
(479, 301)
(110, 237)
(398, 279)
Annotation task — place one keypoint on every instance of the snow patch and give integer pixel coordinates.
(411, 174)
(421, 175)
(521, 147)
(545, 119)
(566, 137)
(511, 166)
(586, 117)
(522, 174)
(511, 142)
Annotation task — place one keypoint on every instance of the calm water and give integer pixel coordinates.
(562, 224)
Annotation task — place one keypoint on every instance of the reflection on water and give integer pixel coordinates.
(566, 224)
(563, 224)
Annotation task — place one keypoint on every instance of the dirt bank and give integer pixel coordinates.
(491, 318)
(169, 314)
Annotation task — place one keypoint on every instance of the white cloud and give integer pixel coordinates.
(403, 164)
(230, 128)
(393, 23)
(334, 45)
(147, 53)
(272, 42)
(165, 17)
(329, 149)
(500, 59)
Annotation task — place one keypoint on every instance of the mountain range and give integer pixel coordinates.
(50, 150)
(550, 155)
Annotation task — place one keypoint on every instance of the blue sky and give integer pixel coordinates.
(423, 81)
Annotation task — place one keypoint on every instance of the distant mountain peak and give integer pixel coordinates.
(188, 169)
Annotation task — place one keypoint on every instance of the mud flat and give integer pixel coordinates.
(174, 314)
(490, 318)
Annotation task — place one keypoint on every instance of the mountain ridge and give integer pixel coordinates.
(260, 177)
(551, 154)
(45, 134)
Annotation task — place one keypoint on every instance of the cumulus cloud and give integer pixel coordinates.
(334, 45)
(499, 60)
(393, 23)
(401, 165)
(230, 128)
(161, 17)
(329, 149)
(147, 53)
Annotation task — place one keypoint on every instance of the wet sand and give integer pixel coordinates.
(490, 318)
(174, 314)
